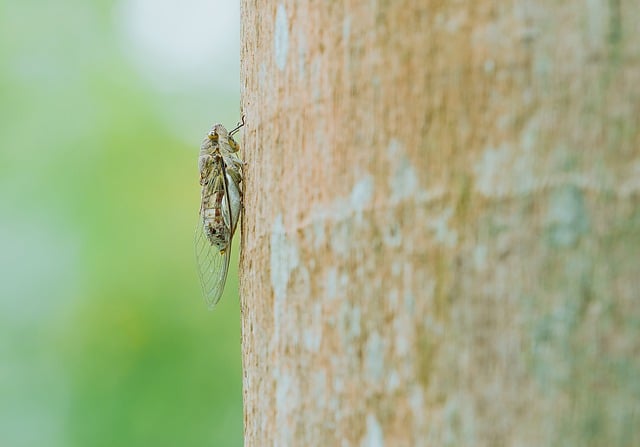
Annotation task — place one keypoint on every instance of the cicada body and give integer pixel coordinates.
(220, 206)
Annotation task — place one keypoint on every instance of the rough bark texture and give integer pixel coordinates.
(441, 235)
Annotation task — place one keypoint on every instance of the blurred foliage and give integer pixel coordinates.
(104, 336)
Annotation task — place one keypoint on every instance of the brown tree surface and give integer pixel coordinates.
(441, 237)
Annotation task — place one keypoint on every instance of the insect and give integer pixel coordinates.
(220, 205)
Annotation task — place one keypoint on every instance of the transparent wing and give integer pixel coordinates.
(213, 265)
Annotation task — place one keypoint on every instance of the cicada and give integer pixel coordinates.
(220, 206)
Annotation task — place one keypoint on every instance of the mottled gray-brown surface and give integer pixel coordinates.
(441, 237)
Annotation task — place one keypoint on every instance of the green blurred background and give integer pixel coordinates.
(105, 339)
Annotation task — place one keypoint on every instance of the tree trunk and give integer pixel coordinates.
(441, 233)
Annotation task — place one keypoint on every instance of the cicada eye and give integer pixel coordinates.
(213, 135)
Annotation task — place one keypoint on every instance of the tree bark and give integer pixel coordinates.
(441, 232)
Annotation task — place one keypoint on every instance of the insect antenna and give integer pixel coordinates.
(237, 128)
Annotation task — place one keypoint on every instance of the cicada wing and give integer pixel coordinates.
(213, 258)
(213, 265)
(233, 202)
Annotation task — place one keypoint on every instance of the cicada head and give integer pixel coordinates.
(213, 134)
(219, 131)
